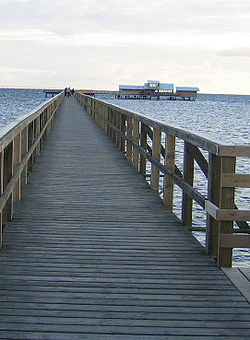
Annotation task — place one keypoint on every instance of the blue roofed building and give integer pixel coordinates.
(152, 86)
(156, 89)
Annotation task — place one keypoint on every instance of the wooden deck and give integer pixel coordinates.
(92, 253)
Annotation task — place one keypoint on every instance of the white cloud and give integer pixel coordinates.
(235, 52)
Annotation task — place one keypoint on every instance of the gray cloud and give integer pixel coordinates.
(235, 52)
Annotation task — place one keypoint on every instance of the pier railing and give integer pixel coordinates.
(151, 147)
(20, 145)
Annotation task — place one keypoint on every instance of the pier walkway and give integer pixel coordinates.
(92, 253)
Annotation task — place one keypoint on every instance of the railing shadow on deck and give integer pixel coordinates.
(144, 140)
(20, 145)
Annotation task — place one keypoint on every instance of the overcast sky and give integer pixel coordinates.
(101, 44)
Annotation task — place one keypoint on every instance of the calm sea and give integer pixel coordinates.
(224, 118)
(17, 102)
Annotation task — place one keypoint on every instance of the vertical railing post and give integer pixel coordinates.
(38, 130)
(24, 150)
(156, 153)
(136, 137)
(119, 126)
(105, 116)
(31, 138)
(188, 176)
(103, 110)
(123, 130)
(169, 162)
(227, 202)
(7, 173)
(16, 160)
(1, 192)
(143, 144)
(130, 135)
(109, 121)
(113, 123)
(214, 196)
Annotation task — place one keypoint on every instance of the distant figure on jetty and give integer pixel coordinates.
(67, 92)
(73, 91)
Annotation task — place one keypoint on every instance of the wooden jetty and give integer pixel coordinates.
(90, 251)
(51, 92)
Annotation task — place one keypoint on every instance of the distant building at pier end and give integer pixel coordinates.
(155, 89)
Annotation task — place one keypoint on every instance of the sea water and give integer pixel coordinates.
(224, 118)
(17, 102)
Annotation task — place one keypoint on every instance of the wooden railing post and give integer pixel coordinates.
(119, 126)
(16, 160)
(30, 140)
(143, 144)
(123, 130)
(24, 150)
(169, 162)
(130, 135)
(105, 116)
(1, 192)
(156, 153)
(188, 176)
(214, 195)
(7, 173)
(116, 124)
(38, 130)
(227, 202)
(136, 136)
(113, 133)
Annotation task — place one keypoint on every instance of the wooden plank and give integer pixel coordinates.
(236, 180)
(239, 280)
(234, 150)
(199, 158)
(226, 214)
(234, 241)
(245, 272)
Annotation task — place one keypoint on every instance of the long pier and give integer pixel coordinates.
(90, 250)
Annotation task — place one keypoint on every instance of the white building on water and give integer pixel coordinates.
(154, 88)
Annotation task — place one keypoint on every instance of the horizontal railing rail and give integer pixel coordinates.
(151, 146)
(20, 145)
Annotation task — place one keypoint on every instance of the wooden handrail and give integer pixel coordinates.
(20, 144)
(143, 140)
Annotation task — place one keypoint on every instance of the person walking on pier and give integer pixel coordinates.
(68, 92)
